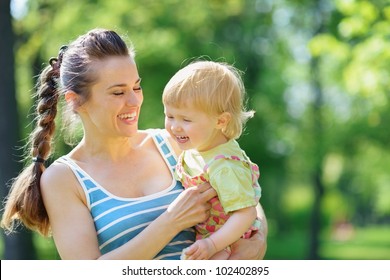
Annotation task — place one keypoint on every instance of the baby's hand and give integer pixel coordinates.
(201, 250)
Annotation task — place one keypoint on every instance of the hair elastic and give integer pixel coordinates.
(38, 159)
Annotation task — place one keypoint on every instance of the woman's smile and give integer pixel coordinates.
(128, 118)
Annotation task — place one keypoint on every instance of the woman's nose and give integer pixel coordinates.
(133, 99)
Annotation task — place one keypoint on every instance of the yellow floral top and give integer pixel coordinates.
(231, 173)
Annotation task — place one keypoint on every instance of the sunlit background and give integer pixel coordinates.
(316, 72)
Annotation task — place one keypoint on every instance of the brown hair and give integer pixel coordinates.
(213, 87)
(73, 71)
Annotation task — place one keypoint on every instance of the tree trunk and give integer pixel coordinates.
(19, 245)
(318, 133)
(315, 220)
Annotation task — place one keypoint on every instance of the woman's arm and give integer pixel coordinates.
(187, 210)
(73, 228)
(255, 247)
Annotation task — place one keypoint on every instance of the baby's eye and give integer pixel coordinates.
(118, 93)
(138, 88)
(187, 120)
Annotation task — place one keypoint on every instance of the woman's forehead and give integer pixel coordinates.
(116, 70)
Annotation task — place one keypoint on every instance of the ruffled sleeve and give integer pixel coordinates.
(233, 182)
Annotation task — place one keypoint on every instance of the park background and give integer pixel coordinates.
(316, 72)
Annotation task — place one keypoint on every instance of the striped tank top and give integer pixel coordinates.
(117, 220)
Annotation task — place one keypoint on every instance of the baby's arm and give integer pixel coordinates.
(238, 223)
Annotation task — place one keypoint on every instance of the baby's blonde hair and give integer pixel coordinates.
(213, 87)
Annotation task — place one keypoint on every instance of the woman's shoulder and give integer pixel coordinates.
(164, 134)
(161, 132)
(155, 131)
(58, 177)
(55, 172)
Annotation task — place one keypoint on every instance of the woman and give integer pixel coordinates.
(114, 195)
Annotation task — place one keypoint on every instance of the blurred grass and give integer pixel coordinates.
(46, 248)
(368, 243)
(289, 246)
(371, 243)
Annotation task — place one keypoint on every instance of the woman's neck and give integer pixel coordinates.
(111, 149)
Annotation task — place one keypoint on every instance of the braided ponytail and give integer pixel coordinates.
(70, 71)
(25, 202)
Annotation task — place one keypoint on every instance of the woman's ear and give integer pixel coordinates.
(73, 100)
(223, 120)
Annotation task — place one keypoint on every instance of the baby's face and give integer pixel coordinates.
(192, 128)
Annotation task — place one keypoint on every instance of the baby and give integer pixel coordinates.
(205, 113)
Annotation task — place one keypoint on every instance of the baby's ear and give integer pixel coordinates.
(223, 120)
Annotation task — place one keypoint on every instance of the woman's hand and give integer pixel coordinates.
(191, 206)
(249, 249)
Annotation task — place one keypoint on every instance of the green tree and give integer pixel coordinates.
(315, 71)
(19, 245)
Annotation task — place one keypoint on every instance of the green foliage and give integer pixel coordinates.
(275, 43)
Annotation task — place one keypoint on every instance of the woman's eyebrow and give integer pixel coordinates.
(123, 85)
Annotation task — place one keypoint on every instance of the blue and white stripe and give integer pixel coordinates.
(118, 220)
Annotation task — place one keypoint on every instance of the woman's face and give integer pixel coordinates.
(115, 101)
